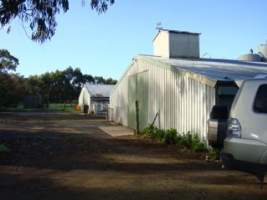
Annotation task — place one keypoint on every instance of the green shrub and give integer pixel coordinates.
(148, 130)
(151, 131)
(184, 140)
(170, 136)
(191, 141)
(197, 144)
(160, 134)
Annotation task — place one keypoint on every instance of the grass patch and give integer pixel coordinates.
(53, 107)
(57, 107)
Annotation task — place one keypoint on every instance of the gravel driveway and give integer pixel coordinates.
(67, 156)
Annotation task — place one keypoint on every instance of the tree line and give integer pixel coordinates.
(52, 87)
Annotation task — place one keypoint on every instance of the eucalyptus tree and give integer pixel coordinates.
(40, 15)
(8, 62)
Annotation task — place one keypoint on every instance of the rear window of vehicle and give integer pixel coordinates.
(260, 103)
(224, 90)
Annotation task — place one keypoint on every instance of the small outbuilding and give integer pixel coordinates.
(175, 88)
(94, 98)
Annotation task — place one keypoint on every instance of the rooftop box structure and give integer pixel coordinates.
(176, 44)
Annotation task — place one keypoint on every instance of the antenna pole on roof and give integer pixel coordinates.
(206, 54)
(159, 26)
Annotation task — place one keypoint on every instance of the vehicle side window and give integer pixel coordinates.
(260, 102)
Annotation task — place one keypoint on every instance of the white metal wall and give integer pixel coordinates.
(162, 44)
(118, 110)
(182, 102)
(84, 98)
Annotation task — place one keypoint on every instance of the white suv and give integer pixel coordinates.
(242, 136)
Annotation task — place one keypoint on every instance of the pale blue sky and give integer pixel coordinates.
(105, 44)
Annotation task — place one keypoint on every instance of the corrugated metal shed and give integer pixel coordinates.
(94, 97)
(181, 91)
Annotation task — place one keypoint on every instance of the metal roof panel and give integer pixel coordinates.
(99, 90)
(216, 69)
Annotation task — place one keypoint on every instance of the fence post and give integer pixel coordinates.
(137, 117)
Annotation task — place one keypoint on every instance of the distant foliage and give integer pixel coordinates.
(11, 85)
(40, 15)
(12, 89)
(61, 86)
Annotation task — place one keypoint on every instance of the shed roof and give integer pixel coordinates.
(99, 90)
(216, 69)
(175, 31)
(179, 32)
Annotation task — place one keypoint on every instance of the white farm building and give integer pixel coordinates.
(177, 86)
(94, 98)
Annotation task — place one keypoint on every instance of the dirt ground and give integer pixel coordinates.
(66, 156)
